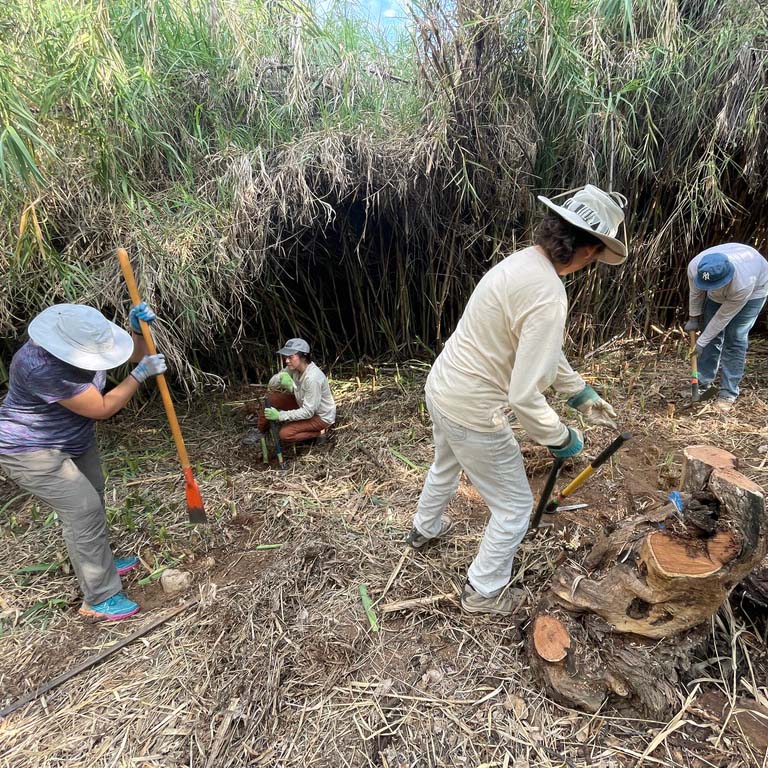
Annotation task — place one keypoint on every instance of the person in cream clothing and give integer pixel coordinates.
(506, 352)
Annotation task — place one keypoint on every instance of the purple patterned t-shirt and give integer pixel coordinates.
(31, 417)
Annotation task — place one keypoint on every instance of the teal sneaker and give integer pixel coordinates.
(113, 608)
(126, 564)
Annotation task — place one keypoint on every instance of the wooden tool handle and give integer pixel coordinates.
(694, 367)
(162, 384)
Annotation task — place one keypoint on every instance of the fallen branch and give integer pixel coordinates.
(95, 659)
(418, 602)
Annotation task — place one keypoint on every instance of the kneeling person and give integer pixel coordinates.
(303, 403)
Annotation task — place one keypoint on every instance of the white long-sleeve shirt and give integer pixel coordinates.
(507, 350)
(750, 281)
(312, 393)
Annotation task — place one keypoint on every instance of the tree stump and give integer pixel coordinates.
(628, 617)
(699, 461)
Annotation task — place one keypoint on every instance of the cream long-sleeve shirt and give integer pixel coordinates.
(312, 393)
(750, 281)
(507, 350)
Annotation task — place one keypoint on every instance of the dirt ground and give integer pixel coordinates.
(278, 665)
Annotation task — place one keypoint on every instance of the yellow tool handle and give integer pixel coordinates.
(162, 384)
(577, 481)
(602, 457)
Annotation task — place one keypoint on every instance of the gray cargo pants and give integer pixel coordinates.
(74, 487)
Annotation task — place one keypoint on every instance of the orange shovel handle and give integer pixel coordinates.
(162, 384)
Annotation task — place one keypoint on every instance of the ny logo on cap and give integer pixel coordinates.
(705, 276)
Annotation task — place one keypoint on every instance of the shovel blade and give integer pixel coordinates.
(195, 508)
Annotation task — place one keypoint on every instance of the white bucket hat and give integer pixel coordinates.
(599, 213)
(81, 336)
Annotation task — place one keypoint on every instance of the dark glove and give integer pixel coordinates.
(573, 446)
(693, 324)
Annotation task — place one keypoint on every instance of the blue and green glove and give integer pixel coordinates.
(271, 414)
(286, 381)
(573, 446)
(141, 312)
(595, 410)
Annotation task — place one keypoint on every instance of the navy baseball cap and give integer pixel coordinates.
(714, 271)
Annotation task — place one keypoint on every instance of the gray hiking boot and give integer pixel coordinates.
(724, 404)
(506, 603)
(417, 540)
(252, 437)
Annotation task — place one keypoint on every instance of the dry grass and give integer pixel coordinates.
(278, 665)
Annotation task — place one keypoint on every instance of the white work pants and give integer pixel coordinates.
(494, 464)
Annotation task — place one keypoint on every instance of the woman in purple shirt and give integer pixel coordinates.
(47, 433)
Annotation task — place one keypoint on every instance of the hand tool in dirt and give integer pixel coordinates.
(275, 430)
(694, 369)
(195, 508)
(585, 474)
(546, 493)
(572, 507)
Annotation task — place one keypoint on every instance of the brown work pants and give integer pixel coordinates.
(292, 431)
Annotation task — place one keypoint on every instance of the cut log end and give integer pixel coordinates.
(695, 559)
(729, 476)
(550, 638)
(699, 461)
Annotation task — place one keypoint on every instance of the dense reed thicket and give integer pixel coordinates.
(277, 172)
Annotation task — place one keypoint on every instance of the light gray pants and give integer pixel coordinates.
(74, 487)
(494, 464)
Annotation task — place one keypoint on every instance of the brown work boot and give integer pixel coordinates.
(506, 603)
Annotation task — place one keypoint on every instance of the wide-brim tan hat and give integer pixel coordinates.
(81, 336)
(599, 213)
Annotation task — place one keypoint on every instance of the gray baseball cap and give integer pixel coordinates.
(294, 345)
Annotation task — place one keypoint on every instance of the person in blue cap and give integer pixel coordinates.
(728, 288)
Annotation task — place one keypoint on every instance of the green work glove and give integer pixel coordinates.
(271, 414)
(286, 381)
(596, 410)
(573, 446)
